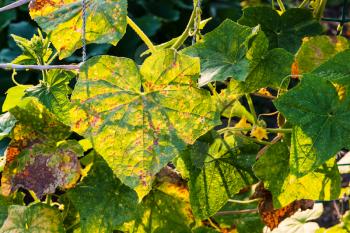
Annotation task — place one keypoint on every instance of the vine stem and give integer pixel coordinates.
(141, 34)
(231, 212)
(9, 66)
(186, 33)
(14, 5)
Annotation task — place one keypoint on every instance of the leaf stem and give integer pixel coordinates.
(251, 107)
(244, 202)
(34, 196)
(270, 130)
(303, 4)
(231, 212)
(14, 5)
(141, 34)
(281, 5)
(186, 33)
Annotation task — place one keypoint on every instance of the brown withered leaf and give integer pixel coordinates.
(41, 166)
(273, 217)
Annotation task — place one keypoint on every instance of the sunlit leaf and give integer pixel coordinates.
(105, 22)
(140, 120)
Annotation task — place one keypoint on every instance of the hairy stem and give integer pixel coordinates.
(281, 5)
(141, 34)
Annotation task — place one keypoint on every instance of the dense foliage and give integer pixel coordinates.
(173, 141)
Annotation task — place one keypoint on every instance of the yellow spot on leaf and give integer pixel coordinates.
(340, 90)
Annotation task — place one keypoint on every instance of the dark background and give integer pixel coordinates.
(161, 20)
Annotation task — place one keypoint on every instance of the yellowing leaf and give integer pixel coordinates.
(139, 120)
(259, 133)
(62, 19)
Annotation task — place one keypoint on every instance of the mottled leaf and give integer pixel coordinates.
(53, 93)
(164, 209)
(7, 122)
(105, 22)
(273, 169)
(38, 218)
(218, 169)
(39, 121)
(102, 200)
(315, 107)
(42, 167)
(140, 120)
(317, 50)
(284, 31)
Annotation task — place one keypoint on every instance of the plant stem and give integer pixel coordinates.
(9, 66)
(186, 33)
(281, 5)
(304, 3)
(36, 199)
(245, 202)
(231, 212)
(14, 5)
(270, 130)
(251, 107)
(141, 34)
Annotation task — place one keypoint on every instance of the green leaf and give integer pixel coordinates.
(140, 120)
(102, 200)
(218, 169)
(53, 93)
(241, 53)
(223, 52)
(7, 122)
(336, 69)
(106, 22)
(164, 209)
(14, 96)
(38, 218)
(315, 107)
(34, 51)
(42, 167)
(273, 169)
(271, 71)
(317, 50)
(285, 31)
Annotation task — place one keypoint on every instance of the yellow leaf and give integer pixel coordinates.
(259, 133)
